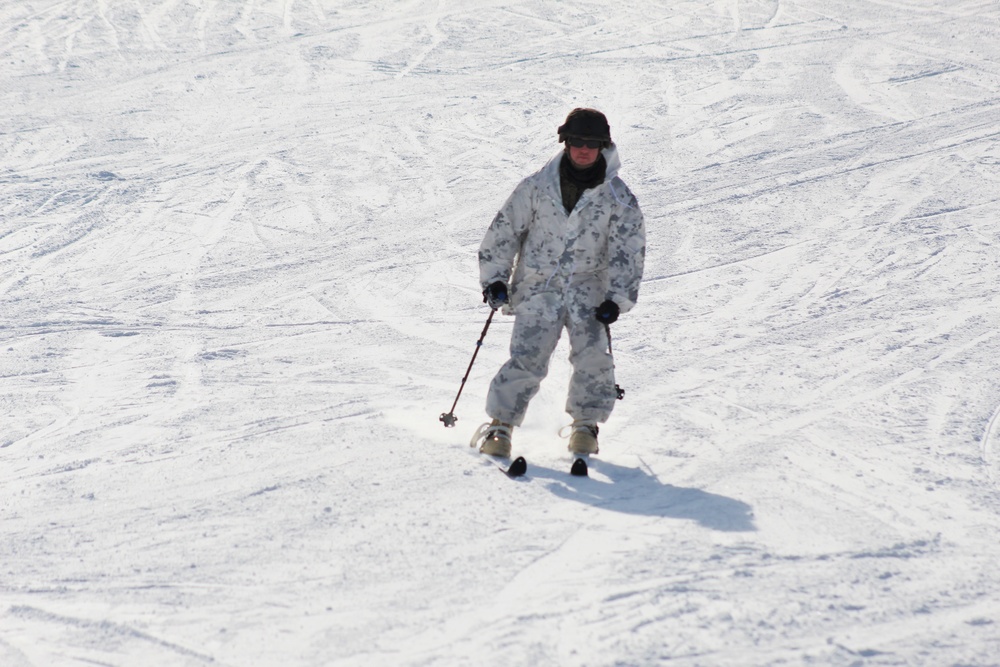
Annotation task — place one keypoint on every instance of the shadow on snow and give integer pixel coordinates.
(636, 491)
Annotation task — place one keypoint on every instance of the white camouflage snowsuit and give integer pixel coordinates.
(564, 266)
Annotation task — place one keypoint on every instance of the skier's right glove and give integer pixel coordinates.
(607, 312)
(496, 294)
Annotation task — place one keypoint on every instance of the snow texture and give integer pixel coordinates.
(238, 286)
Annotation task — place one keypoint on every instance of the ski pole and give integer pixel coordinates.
(449, 418)
(619, 392)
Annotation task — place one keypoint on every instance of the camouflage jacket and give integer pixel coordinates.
(574, 260)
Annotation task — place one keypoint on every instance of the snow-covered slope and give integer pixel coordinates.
(238, 286)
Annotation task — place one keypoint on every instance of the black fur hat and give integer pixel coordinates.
(586, 124)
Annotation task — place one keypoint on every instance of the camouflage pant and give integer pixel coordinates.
(592, 385)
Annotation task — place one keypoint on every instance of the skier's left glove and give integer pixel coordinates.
(496, 294)
(607, 312)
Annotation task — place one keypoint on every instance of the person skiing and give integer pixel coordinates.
(565, 251)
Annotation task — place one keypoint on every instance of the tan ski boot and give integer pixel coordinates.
(583, 439)
(494, 438)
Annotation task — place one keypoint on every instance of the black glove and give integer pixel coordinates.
(496, 294)
(607, 312)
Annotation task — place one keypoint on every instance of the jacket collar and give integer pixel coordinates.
(550, 172)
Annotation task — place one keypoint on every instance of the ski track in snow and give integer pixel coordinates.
(238, 286)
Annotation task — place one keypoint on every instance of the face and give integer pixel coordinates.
(583, 157)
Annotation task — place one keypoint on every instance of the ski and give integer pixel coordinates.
(518, 467)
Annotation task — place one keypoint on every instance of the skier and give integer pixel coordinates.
(566, 250)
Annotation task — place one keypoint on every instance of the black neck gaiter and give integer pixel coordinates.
(573, 181)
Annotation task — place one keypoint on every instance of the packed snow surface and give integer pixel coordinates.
(238, 286)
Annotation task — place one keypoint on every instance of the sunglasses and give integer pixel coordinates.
(577, 142)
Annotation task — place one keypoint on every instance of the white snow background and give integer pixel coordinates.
(238, 286)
